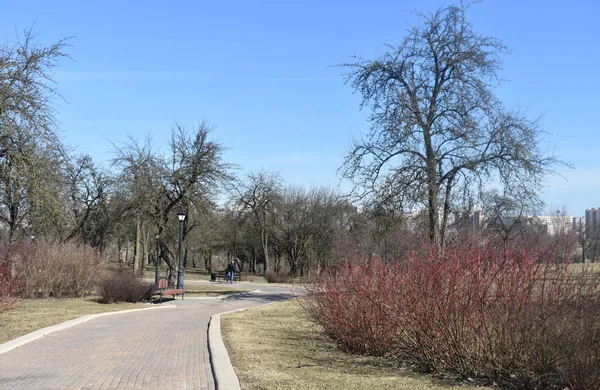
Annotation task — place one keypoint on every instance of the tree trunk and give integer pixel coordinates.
(126, 259)
(446, 212)
(119, 247)
(208, 261)
(145, 258)
(137, 249)
(265, 245)
(253, 261)
(432, 188)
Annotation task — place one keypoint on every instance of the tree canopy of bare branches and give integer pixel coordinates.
(259, 194)
(436, 124)
(29, 167)
(161, 184)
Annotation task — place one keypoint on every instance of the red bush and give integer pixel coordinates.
(351, 302)
(510, 313)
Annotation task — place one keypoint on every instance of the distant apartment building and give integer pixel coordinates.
(554, 223)
(592, 219)
(551, 224)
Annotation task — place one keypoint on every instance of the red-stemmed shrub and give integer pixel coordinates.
(504, 311)
(351, 301)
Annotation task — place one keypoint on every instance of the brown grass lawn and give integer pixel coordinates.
(577, 268)
(210, 290)
(276, 347)
(35, 314)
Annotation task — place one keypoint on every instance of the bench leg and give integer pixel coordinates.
(161, 297)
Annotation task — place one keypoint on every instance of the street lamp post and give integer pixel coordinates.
(157, 274)
(181, 216)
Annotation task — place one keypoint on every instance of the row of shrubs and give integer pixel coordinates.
(510, 315)
(42, 270)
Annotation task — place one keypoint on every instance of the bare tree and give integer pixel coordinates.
(30, 190)
(26, 85)
(185, 179)
(28, 141)
(292, 232)
(258, 194)
(86, 191)
(508, 214)
(436, 125)
(305, 223)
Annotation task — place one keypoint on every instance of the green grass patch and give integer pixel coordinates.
(35, 314)
(276, 347)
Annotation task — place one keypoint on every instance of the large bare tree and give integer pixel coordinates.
(436, 125)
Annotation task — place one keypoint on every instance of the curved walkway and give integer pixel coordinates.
(150, 349)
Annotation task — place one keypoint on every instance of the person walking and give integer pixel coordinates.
(231, 271)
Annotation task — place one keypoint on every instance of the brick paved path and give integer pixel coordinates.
(152, 349)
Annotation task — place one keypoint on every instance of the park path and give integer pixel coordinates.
(151, 349)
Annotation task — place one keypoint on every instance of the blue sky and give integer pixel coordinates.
(262, 72)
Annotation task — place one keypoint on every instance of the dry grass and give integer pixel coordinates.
(35, 314)
(578, 268)
(253, 278)
(276, 347)
(193, 275)
(208, 290)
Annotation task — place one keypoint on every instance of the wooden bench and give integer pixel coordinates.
(223, 275)
(162, 288)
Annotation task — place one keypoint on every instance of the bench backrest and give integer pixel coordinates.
(162, 283)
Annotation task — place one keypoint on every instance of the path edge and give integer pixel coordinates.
(224, 374)
(38, 334)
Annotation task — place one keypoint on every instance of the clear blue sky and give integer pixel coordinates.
(261, 71)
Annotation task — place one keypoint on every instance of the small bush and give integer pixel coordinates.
(123, 286)
(272, 277)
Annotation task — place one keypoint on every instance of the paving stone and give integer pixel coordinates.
(153, 349)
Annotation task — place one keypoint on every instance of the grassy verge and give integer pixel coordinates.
(251, 278)
(276, 347)
(208, 290)
(577, 268)
(35, 314)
